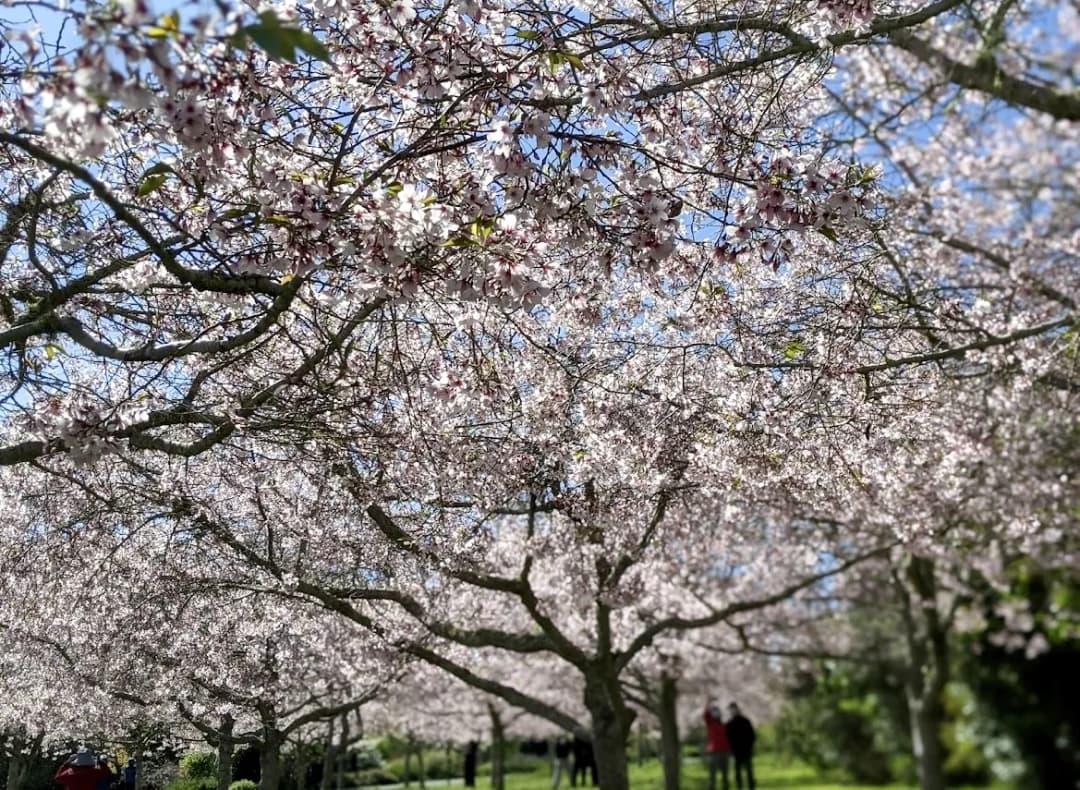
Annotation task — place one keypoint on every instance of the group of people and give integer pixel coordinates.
(733, 738)
(725, 740)
(88, 771)
(584, 762)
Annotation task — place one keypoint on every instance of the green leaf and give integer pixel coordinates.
(828, 233)
(282, 41)
(51, 350)
(307, 42)
(275, 40)
(160, 167)
(459, 241)
(557, 57)
(528, 35)
(793, 350)
(235, 213)
(150, 183)
(868, 175)
(394, 187)
(480, 229)
(168, 25)
(573, 60)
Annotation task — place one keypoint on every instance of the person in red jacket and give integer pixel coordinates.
(81, 772)
(717, 747)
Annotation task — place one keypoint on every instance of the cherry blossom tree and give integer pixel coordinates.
(211, 233)
(506, 329)
(141, 634)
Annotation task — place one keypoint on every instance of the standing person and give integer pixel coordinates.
(104, 781)
(129, 775)
(717, 748)
(472, 749)
(584, 761)
(561, 764)
(81, 772)
(741, 735)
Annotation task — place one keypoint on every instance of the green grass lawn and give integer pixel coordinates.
(770, 773)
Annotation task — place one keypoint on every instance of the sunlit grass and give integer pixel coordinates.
(770, 772)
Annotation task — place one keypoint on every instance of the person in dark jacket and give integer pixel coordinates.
(740, 733)
(129, 775)
(584, 761)
(472, 752)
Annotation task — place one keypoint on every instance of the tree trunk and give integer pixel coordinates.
(23, 755)
(16, 771)
(498, 746)
(670, 747)
(929, 752)
(927, 671)
(343, 752)
(225, 753)
(300, 769)
(408, 758)
(270, 761)
(420, 763)
(611, 721)
(609, 749)
(328, 757)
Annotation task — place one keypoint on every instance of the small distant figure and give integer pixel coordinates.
(717, 747)
(584, 761)
(561, 764)
(129, 775)
(472, 751)
(741, 735)
(82, 771)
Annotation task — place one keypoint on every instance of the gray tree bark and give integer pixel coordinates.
(328, 757)
(611, 724)
(498, 749)
(343, 752)
(670, 745)
(24, 751)
(927, 671)
(270, 760)
(225, 753)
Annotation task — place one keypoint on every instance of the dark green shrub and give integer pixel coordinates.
(391, 746)
(243, 784)
(365, 757)
(198, 765)
(838, 720)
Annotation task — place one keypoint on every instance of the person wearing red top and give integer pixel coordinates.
(717, 747)
(81, 772)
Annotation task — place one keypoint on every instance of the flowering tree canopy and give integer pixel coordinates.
(514, 331)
